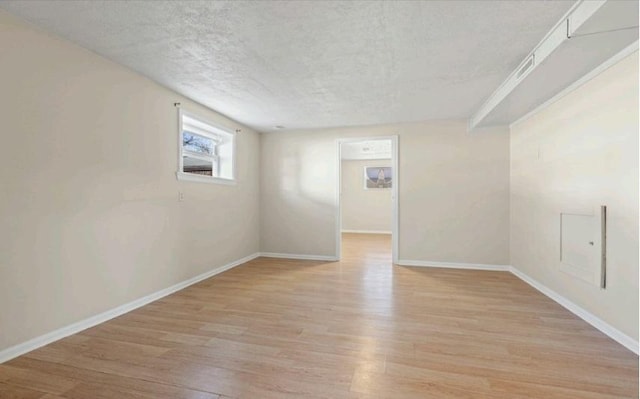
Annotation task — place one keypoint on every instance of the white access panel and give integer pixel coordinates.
(583, 246)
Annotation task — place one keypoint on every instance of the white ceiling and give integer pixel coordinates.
(311, 64)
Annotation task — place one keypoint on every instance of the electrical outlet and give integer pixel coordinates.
(180, 196)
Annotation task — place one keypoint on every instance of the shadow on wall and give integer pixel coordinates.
(307, 187)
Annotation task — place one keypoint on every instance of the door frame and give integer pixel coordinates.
(394, 192)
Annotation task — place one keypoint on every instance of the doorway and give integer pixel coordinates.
(368, 189)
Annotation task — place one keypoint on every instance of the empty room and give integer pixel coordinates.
(319, 199)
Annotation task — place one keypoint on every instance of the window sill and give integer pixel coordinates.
(204, 179)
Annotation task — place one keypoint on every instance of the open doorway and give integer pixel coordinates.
(368, 191)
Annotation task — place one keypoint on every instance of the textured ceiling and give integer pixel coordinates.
(311, 64)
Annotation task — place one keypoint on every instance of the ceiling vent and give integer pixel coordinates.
(526, 67)
(590, 34)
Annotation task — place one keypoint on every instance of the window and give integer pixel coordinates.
(207, 151)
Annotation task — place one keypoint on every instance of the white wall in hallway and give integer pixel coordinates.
(362, 209)
(453, 191)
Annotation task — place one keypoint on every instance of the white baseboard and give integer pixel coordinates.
(298, 256)
(35, 343)
(450, 265)
(367, 231)
(585, 315)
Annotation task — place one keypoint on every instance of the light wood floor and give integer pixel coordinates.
(359, 328)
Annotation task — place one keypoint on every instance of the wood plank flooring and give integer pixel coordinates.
(359, 328)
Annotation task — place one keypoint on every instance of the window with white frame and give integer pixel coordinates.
(207, 151)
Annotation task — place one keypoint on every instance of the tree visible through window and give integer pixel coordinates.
(206, 150)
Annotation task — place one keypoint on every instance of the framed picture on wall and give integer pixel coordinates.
(377, 177)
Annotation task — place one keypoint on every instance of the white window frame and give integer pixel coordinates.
(215, 158)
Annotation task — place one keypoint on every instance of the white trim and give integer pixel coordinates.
(338, 199)
(212, 158)
(206, 121)
(35, 343)
(298, 256)
(606, 328)
(395, 198)
(511, 82)
(585, 315)
(575, 85)
(218, 132)
(395, 203)
(453, 265)
(182, 176)
(367, 231)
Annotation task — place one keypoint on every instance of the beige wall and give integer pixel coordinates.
(453, 189)
(577, 154)
(91, 218)
(89, 199)
(365, 210)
